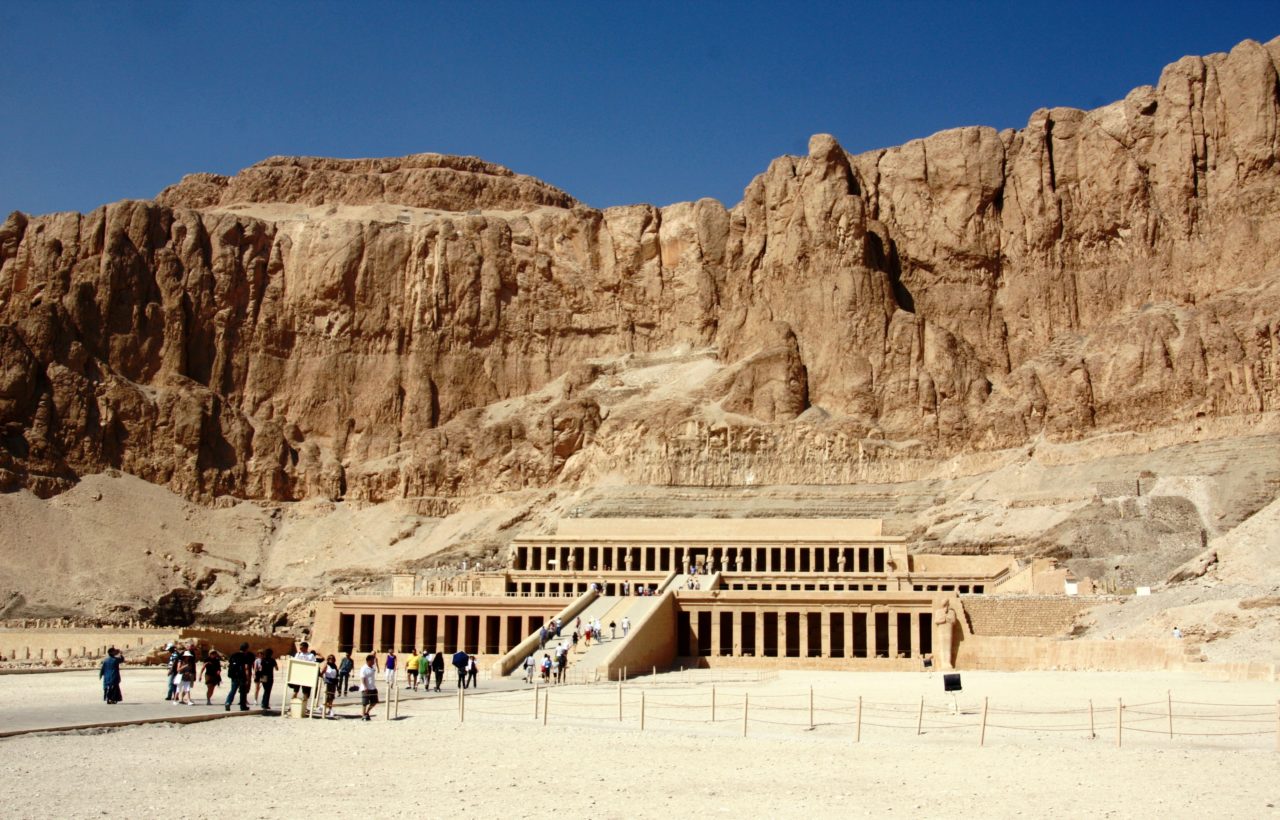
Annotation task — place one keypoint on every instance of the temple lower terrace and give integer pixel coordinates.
(812, 593)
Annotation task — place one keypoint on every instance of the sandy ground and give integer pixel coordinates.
(584, 762)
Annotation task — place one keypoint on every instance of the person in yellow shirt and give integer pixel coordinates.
(411, 668)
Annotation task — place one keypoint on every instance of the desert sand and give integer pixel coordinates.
(583, 762)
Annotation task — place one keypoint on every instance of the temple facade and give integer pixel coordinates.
(835, 593)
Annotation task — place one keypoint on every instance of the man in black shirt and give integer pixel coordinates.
(239, 668)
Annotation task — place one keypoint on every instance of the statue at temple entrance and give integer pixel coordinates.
(944, 627)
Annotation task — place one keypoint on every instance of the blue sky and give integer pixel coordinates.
(614, 102)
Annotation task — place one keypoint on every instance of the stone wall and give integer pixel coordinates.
(1023, 616)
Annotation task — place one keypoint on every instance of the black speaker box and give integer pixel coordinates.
(951, 682)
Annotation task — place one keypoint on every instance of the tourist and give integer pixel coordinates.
(212, 675)
(460, 659)
(586, 637)
(559, 625)
(269, 668)
(411, 670)
(574, 639)
(304, 653)
(1177, 633)
(529, 664)
(257, 675)
(473, 672)
(239, 666)
(330, 676)
(546, 668)
(626, 625)
(437, 668)
(110, 674)
(562, 663)
(185, 676)
(391, 668)
(368, 686)
(424, 670)
(174, 655)
(344, 673)
(542, 637)
(596, 630)
(613, 630)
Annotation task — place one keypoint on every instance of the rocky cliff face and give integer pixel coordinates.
(438, 326)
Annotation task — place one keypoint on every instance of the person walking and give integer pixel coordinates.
(529, 664)
(212, 675)
(257, 675)
(185, 677)
(391, 668)
(473, 672)
(329, 674)
(344, 673)
(368, 686)
(626, 625)
(269, 668)
(239, 666)
(174, 655)
(411, 670)
(460, 659)
(424, 670)
(437, 668)
(546, 668)
(109, 671)
(613, 630)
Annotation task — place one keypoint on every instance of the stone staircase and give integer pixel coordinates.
(584, 660)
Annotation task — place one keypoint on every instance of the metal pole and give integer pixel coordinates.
(535, 701)
(546, 705)
(982, 738)
(746, 700)
(920, 715)
(619, 701)
(810, 707)
(1119, 722)
(1169, 703)
(857, 734)
(642, 710)
(1092, 733)
(462, 705)
(713, 703)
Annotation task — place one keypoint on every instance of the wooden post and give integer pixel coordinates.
(920, 716)
(397, 709)
(982, 738)
(1168, 695)
(624, 673)
(1119, 722)
(642, 710)
(536, 694)
(1092, 733)
(746, 700)
(810, 707)
(546, 704)
(462, 705)
(619, 701)
(857, 732)
(713, 703)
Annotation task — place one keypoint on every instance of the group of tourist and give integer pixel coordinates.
(421, 667)
(242, 668)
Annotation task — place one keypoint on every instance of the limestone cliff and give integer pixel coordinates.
(441, 326)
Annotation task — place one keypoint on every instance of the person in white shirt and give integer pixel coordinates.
(626, 625)
(368, 686)
(304, 653)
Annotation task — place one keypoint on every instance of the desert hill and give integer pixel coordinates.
(1057, 311)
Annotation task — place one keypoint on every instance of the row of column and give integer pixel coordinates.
(707, 559)
(477, 634)
(870, 633)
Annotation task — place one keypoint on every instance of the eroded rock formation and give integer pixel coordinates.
(436, 326)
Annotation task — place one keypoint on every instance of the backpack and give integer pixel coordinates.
(235, 667)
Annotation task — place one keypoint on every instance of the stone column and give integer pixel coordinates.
(759, 649)
(782, 634)
(377, 632)
(825, 626)
(871, 632)
(694, 638)
(737, 633)
(848, 633)
(893, 633)
(804, 634)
